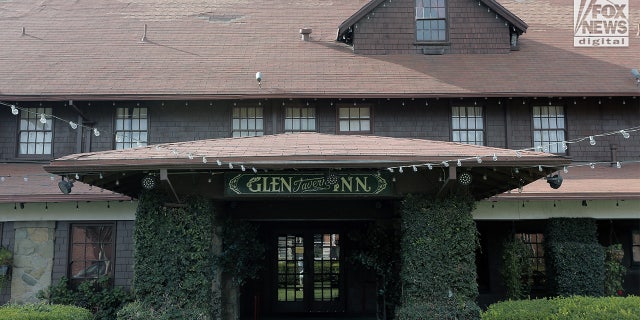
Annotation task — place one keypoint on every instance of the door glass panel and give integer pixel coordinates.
(326, 267)
(291, 268)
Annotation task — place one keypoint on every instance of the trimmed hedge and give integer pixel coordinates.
(438, 244)
(44, 312)
(574, 258)
(577, 307)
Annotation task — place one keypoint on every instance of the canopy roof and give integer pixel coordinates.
(122, 170)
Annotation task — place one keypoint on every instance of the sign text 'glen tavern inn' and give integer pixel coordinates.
(601, 23)
(249, 184)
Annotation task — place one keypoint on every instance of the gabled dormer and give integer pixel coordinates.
(432, 27)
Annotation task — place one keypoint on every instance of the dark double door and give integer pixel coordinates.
(308, 272)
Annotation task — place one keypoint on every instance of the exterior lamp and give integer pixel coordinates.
(150, 182)
(464, 178)
(65, 186)
(554, 182)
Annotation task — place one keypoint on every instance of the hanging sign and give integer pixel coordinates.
(287, 184)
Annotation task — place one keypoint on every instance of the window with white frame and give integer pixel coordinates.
(467, 125)
(354, 119)
(131, 127)
(247, 122)
(35, 131)
(549, 128)
(300, 119)
(431, 20)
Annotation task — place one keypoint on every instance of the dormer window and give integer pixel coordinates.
(431, 20)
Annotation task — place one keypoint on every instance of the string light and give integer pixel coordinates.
(459, 163)
(43, 120)
(618, 165)
(592, 138)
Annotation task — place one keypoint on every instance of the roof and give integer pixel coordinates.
(28, 182)
(584, 183)
(122, 170)
(298, 151)
(89, 50)
(495, 6)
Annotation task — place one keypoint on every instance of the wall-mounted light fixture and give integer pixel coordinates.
(465, 178)
(555, 181)
(150, 182)
(65, 186)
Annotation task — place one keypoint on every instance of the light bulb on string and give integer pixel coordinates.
(459, 163)
(43, 119)
(390, 169)
(565, 169)
(429, 166)
(73, 125)
(204, 159)
(400, 170)
(218, 162)
(518, 154)
(592, 165)
(242, 167)
(618, 165)
(592, 141)
(540, 168)
(254, 170)
(190, 156)
(495, 157)
(230, 165)
(564, 146)
(96, 132)
(478, 159)
(624, 134)
(14, 110)
(446, 164)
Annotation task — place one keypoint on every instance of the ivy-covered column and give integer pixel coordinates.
(174, 262)
(438, 244)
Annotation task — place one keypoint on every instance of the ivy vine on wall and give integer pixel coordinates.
(173, 253)
(439, 240)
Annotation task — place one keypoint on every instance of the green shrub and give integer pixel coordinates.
(96, 295)
(138, 310)
(438, 271)
(572, 308)
(574, 258)
(43, 312)
(517, 271)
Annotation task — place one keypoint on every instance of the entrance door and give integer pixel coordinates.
(308, 273)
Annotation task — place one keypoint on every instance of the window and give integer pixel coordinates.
(467, 125)
(548, 128)
(247, 122)
(131, 127)
(35, 136)
(431, 20)
(299, 119)
(92, 247)
(354, 119)
(635, 247)
(535, 240)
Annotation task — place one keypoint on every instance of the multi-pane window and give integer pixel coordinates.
(431, 20)
(36, 131)
(635, 247)
(291, 269)
(300, 119)
(354, 119)
(131, 127)
(92, 248)
(326, 266)
(467, 125)
(536, 242)
(548, 128)
(247, 122)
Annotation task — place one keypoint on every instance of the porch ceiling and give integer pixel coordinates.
(194, 167)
